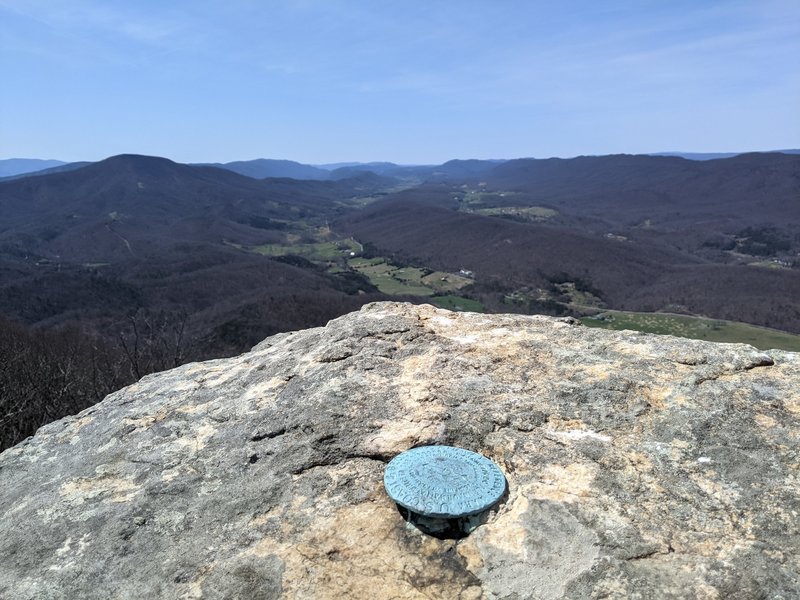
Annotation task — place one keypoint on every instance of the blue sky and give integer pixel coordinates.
(402, 80)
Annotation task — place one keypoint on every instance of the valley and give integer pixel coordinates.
(562, 297)
(153, 263)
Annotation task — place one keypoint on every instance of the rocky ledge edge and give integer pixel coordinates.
(638, 466)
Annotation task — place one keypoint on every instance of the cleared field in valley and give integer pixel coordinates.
(457, 303)
(320, 251)
(698, 328)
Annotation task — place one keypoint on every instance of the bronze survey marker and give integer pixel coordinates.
(444, 482)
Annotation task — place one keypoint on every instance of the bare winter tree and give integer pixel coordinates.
(45, 375)
(153, 342)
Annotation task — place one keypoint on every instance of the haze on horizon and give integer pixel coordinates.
(412, 82)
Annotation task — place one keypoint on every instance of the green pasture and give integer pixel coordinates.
(445, 282)
(458, 303)
(413, 281)
(360, 263)
(410, 274)
(320, 251)
(391, 279)
(698, 328)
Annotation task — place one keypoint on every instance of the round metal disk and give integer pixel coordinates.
(443, 481)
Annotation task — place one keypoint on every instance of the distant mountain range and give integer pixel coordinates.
(262, 168)
(715, 155)
(132, 206)
(17, 166)
(637, 228)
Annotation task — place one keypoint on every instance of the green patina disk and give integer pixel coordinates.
(444, 482)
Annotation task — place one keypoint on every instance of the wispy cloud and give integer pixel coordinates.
(85, 32)
(87, 15)
(317, 70)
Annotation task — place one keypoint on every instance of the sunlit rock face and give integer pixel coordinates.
(637, 465)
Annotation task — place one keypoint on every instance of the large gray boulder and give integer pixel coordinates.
(639, 466)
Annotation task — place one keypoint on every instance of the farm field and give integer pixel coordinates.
(442, 289)
(415, 281)
(319, 251)
(699, 328)
(457, 303)
(445, 282)
(391, 279)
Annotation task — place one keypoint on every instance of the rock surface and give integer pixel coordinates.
(639, 466)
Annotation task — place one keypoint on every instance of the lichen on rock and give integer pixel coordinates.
(638, 466)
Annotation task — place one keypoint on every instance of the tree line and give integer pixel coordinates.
(46, 374)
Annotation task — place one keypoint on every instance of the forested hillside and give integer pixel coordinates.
(135, 264)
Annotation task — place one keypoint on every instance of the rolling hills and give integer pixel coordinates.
(136, 232)
(718, 238)
(135, 264)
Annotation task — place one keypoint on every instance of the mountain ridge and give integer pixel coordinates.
(18, 166)
(260, 168)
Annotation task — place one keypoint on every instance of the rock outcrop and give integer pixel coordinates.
(639, 466)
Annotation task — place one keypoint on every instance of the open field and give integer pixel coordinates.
(457, 303)
(409, 274)
(320, 251)
(445, 282)
(360, 263)
(415, 281)
(388, 278)
(493, 204)
(391, 279)
(698, 328)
